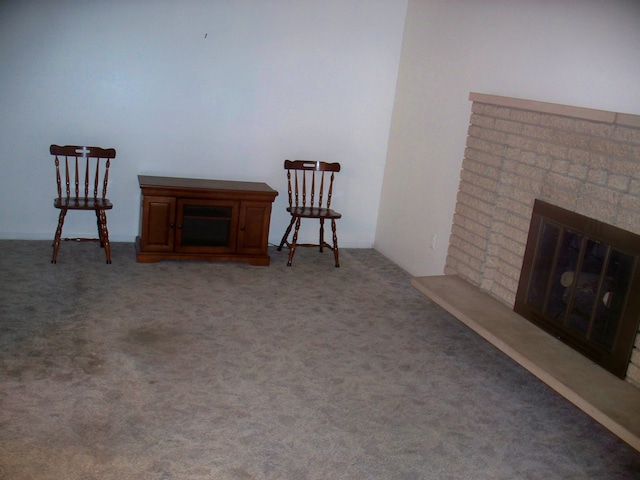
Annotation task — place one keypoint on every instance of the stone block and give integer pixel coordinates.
(477, 192)
(482, 207)
(509, 276)
(563, 182)
(612, 148)
(596, 208)
(530, 172)
(571, 140)
(508, 126)
(578, 171)
(633, 374)
(581, 156)
(564, 198)
(520, 142)
(551, 149)
(481, 168)
(594, 129)
(494, 136)
(485, 146)
(497, 112)
(511, 232)
(634, 187)
(483, 157)
(475, 255)
(518, 195)
(482, 120)
(560, 167)
(523, 184)
(535, 131)
(474, 215)
(512, 153)
(515, 246)
(525, 116)
(630, 168)
(618, 182)
(504, 295)
(601, 193)
(597, 177)
(511, 262)
(517, 207)
(559, 122)
(480, 181)
(600, 161)
(626, 134)
(628, 220)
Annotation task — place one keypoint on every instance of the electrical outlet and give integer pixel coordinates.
(433, 241)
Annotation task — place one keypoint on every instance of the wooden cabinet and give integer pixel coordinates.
(186, 218)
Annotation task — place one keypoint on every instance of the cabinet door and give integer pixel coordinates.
(158, 224)
(253, 231)
(206, 226)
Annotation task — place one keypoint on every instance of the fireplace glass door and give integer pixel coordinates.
(578, 285)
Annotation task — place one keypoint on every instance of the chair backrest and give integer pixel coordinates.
(83, 171)
(307, 184)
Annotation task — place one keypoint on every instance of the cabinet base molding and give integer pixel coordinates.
(153, 257)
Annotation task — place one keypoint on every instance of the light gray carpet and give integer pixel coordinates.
(195, 370)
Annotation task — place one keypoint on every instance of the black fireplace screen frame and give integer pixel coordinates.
(580, 282)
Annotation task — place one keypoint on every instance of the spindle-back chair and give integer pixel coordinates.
(310, 187)
(82, 175)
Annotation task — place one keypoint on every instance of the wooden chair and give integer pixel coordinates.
(82, 177)
(307, 183)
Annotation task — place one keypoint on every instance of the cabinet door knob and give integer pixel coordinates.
(171, 225)
(242, 228)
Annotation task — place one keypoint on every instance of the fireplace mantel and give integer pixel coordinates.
(582, 113)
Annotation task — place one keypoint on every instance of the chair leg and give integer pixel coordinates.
(104, 233)
(335, 242)
(99, 224)
(56, 239)
(292, 245)
(286, 234)
(321, 239)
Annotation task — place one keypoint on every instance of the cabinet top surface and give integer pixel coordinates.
(202, 184)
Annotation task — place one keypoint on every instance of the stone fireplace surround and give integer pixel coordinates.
(583, 160)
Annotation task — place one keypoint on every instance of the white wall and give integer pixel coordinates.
(218, 89)
(575, 52)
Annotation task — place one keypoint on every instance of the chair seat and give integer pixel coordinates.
(313, 212)
(82, 203)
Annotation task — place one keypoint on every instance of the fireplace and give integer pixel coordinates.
(582, 160)
(579, 282)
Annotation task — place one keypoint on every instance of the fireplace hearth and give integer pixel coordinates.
(577, 283)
